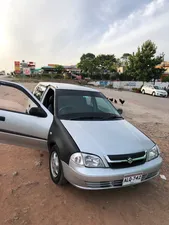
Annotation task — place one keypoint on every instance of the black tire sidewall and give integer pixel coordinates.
(57, 179)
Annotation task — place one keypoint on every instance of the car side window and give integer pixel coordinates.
(48, 100)
(39, 91)
(14, 100)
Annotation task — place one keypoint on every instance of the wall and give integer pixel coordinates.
(128, 85)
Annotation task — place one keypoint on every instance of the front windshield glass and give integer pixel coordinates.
(84, 105)
(156, 87)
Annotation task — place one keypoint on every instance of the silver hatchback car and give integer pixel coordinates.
(90, 144)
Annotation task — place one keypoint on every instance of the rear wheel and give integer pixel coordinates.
(55, 167)
(143, 91)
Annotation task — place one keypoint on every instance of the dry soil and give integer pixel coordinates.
(28, 196)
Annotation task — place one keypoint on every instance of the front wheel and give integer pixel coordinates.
(55, 167)
(153, 94)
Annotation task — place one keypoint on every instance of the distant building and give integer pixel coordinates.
(72, 69)
(121, 69)
(48, 69)
(164, 65)
(20, 66)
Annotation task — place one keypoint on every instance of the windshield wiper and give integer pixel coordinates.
(112, 117)
(86, 118)
(107, 117)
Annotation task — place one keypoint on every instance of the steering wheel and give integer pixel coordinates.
(68, 107)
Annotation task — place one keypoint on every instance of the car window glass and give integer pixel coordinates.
(74, 102)
(88, 100)
(103, 105)
(12, 99)
(157, 87)
(48, 100)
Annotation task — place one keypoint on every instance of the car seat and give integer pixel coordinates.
(51, 104)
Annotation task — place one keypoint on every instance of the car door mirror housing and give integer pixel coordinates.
(37, 111)
(120, 111)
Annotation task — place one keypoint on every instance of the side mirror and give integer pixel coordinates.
(120, 111)
(36, 111)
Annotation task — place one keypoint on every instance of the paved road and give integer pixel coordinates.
(148, 101)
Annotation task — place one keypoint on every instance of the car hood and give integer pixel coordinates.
(107, 137)
(161, 91)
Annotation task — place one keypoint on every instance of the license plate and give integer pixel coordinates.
(132, 179)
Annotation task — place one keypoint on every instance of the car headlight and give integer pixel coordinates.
(88, 160)
(153, 153)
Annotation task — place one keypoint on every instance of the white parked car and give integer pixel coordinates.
(153, 90)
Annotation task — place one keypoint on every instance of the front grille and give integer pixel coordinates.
(149, 175)
(121, 161)
(102, 184)
(117, 183)
(126, 156)
(126, 164)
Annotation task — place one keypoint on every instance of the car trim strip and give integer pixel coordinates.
(20, 134)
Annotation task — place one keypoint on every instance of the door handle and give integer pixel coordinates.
(2, 118)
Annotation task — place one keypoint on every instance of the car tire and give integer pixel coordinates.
(143, 91)
(153, 94)
(55, 167)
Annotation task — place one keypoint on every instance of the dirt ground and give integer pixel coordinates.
(28, 196)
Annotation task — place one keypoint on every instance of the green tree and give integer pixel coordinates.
(118, 62)
(124, 59)
(106, 62)
(88, 56)
(106, 66)
(87, 64)
(59, 68)
(126, 55)
(142, 64)
(165, 79)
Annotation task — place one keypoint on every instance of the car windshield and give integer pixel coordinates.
(84, 105)
(157, 87)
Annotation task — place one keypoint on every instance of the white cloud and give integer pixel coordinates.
(57, 31)
(149, 23)
(154, 6)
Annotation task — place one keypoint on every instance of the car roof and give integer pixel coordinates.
(67, 86)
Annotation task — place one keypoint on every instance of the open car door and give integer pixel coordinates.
(22, 128)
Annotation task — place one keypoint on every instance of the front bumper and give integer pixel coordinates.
(107, 178)
(161, 94)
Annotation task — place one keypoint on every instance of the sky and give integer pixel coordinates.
(54, 31)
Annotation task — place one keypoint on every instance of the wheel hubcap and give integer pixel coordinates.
(54, 164)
